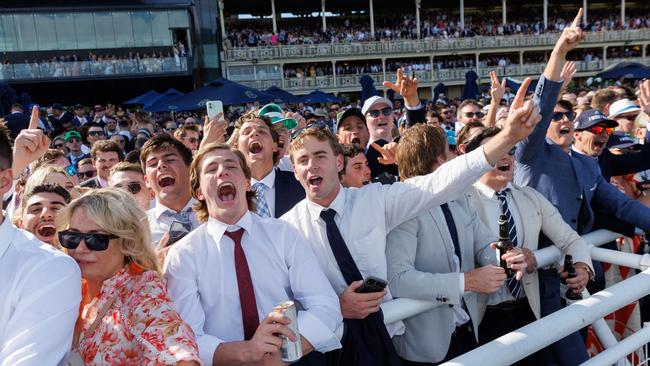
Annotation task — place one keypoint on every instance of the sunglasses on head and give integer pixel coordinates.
(87, 175)
(600, 129)
(558, 116)
(472, 114)
(132, 187)
(96, 242)
(321, 125)
(387, 111)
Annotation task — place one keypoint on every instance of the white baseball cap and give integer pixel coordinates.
(367, 105)
(622, 106)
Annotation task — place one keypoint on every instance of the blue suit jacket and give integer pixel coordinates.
(570, 181)
(288, 192)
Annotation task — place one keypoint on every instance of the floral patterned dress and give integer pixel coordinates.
(141, 326)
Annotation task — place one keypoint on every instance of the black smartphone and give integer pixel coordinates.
(372, 284)
(177, 231)
(642, 186)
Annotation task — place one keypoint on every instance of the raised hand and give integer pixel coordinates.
(523, 116)
(214, 130)
(644, 97)
(568, 71)
(406, 86)
(30, 144)
(497, 89)
(571, 36)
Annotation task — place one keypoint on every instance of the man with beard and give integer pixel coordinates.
(39, 209)
(277, 191)
(166, 162)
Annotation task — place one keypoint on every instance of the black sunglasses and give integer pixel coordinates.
(629, 118)
(132, 187)
(558, 116)
(387, 111)
(86, 175)
(96, 242)
(58, 146)
(96, 133)
(472, 114)
(321, 125)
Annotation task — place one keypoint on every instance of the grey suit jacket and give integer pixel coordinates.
(421, 266)
(537, 215)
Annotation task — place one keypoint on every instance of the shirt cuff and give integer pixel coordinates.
(461, 278)
(318, 334)
(476, 160)
(419, 106)
(207, 346)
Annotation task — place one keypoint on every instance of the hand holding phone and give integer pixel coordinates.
(213, 107)
(372, 284)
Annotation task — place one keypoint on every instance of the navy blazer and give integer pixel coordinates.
(572, 182)
(613, 165)
(288, 192)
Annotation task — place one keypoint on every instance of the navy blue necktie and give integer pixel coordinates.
(451, 225)
(366, 342)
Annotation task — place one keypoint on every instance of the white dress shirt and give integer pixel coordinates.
(40, 294)
(285, 164)
(269, 195)
(202, 282)
(159, 223)
(492, 207)
(365, 215)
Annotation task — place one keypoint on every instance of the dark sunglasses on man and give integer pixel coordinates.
(59, 146)
(472, 114)
(94, 241)
(86, 175)
(387, 111)
(558, 116)
(132, 187)
(95, 133)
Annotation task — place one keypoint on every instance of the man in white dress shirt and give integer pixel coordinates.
(166, 163)
(364, 216)
(228, 274)
(40, 289)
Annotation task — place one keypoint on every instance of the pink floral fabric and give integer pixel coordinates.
(141, 327)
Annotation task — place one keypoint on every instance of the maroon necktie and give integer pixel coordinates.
(245, 284)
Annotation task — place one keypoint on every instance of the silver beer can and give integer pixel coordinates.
(290, 351)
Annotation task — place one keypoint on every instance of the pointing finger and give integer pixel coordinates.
(578, 19)
(521, 94)
(33, 121)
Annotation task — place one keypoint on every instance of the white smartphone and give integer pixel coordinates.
(213, 108)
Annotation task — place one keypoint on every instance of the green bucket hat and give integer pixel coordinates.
(274, 112)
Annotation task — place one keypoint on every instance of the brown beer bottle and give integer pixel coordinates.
(571, 270)
(504, 244)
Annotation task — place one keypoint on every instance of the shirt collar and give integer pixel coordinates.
(159, 208)
(216, 228)
(268, 180)
(579, 152)
(337, 205)
(487, 191)
(7, 232)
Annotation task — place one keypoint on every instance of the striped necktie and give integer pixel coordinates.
(262, 206)
(513, 285)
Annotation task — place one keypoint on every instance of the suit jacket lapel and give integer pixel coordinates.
(441, 224)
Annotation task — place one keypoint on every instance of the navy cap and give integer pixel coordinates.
(620, 140)
(592, 117)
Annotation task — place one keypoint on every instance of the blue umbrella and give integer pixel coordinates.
(367, 88)
(470, 89)
(145, 98)
(627, 70)
(318, 96)
(228, 92)
(282, 95)
(163, 102)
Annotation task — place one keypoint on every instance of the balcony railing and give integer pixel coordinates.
(417, 46)
(426, 78)
(92, 69)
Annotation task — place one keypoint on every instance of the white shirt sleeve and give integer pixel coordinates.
(40, 330)
(180, 274)
(322, 313)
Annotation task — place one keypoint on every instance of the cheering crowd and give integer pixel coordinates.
(133, 241)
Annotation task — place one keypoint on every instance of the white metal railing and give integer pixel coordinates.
(424, 45)
(535, 336)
